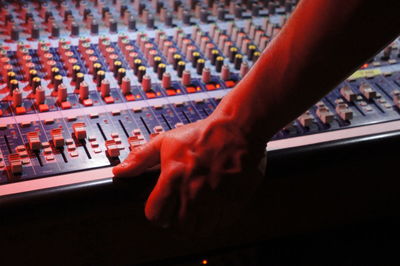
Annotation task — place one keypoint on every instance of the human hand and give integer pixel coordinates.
(208, 171)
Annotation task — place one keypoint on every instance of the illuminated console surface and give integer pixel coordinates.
(83, 82)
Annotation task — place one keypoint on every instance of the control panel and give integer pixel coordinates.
(84, 82)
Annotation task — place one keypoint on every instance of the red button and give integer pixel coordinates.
(109, 99)
(87, 102)
(130, 97)
(43, 108)
(210, 87)
(171, 92)
(66, 105)
(230, 83)
(20, 110)
(191, 89)
(1, 112)
(150, 95)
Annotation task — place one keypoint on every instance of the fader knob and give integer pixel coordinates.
(166, 80)
(126, 86)
(141, 73)
(13, 86)
(146, 83)
(83, 91)
(17, 98)
(39, 96)
(61, 93)
(225, 74)
(161, 70)
(186, 78)
(181, 68)
(105, 88)
(244, 68)
(200, 66)
(218, 64)
(206, 76)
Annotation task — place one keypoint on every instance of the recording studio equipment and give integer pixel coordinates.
(84, 82)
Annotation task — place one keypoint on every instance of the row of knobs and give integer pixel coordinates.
(127, 16)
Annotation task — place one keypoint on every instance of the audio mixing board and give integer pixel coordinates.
(83, 82)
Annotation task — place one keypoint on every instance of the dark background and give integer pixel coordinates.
(331, 204)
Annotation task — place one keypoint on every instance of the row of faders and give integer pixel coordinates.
(84, 82)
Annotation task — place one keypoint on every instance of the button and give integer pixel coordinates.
(50, 157)
(3, 126)
(47, 151)
(23, 154)
(158, 129)
(69, 141)
(191, 89)
(87, 102)
(93, 115)
(49, 121)
(94, 144)
(66, 105)
(43, 108)
(71, 147)
(116, 112)
(26, 161)
(109, 99)
(136, 132)
(130, 97)
(114, 135)
(20, 148)
(20, 110)
(25, 124)
(97, 150)
(92, 138)
(74, 154)
(71, 118)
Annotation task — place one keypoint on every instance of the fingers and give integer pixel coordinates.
(140, 159)
(163, 202)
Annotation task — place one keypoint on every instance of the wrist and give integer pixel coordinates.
(243, 121)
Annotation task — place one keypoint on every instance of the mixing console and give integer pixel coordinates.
(83, 82)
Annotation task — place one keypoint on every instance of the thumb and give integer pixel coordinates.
(140, 159)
